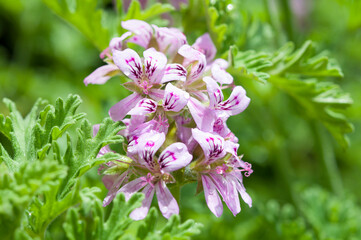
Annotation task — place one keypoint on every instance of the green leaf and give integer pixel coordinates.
(37, 172)
(84, 157)
(303, 62)
(5, 126)
(330, 216)
(18, 189)
(85, 17)
(172, 230)
(99, 227)
(322, 101)
(248, 65)
(30, 136)
(42, 212)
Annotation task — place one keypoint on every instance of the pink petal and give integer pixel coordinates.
(232, 200)
(194, 56)
(156, 94)
(174, 99)
(117, 42)
(221, 62)
(241, 189)
(143, 107)
(142, 31)
(112, 183)
(204, 117)
(149, 143)
(174, 72)
(120, 110)
(132, 187)
(212, 145)
(184, 134)
(131, 125)
(205, 45)
(214, 92)
(95, 129)
(174, 157)
(231, 147)
(221, 184)
(154, 64)
(141, 212)
(169, 39)
(167, 204)
(128, 61)
(212, 198)
(220, 127)
(102, 74)
(237, 102)
(220, 75)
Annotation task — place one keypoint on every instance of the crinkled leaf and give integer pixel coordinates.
(30, 136)
(172, 230)
(18, 189)
(42, 212)
(100, 227)
(84, 156)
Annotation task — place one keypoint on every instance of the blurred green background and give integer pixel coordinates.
(304, 185)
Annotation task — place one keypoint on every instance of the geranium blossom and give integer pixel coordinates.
(171, 159)
(178, 106)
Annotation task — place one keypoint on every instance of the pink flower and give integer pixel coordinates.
(235, 104)
(146, 76)
(221, 175)
(172, 158)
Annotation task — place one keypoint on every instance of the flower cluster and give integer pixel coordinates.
(175, 120)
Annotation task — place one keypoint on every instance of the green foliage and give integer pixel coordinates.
(98, 25)
(37, 185)
(90, 221)
(156, 9)
(330, 216)
(303, 62)
(83, 156)
(172, 230)
(78, 226)
(31, 137)
(85, 17)
(323, 101)
(317, 214)
(286, 69)
(248, 65)
(18, 189)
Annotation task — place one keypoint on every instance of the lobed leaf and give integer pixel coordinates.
(304, 62)
(248, 65)
(84, 156)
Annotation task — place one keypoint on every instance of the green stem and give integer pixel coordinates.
(327, 156)
(287, 21)
(284, 169)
